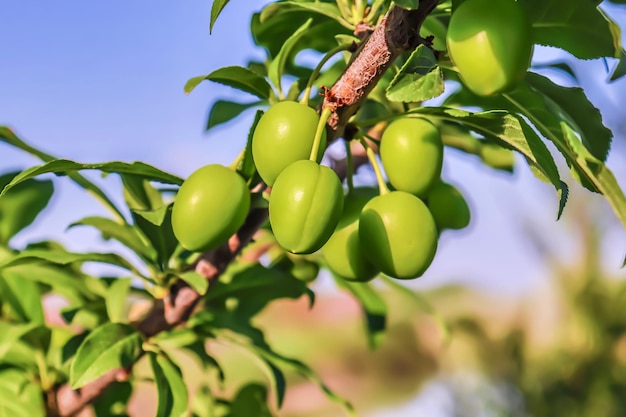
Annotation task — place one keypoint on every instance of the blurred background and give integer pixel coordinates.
(519, 315)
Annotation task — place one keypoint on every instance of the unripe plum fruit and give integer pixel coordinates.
(398, 234)
(343, 251)
(411, 151)
(305, 206)
(448, 207)
(490, 42)
(284, 134)
(209, 207)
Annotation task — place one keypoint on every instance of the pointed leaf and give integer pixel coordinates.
(223, 111)
(236, 77)
(419, 78)
(123, 233)
(156, 225)
(110, 346)
(116, 298)
(216, 9)
(171, 389)
(22, 205)
(250, 400)
(113, 399)
(575, 108)
(66, 258)
(308, 373)
(510, 131)
(326, 9)
(140, 194)
(19, 396)
(277, 67)
(248, 168)
(9, 137)
(196, 281)
(64, 166)
(578, 26)
(23, 298)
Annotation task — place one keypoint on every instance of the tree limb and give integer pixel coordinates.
(397, 32)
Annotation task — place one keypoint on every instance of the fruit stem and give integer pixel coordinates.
(237, 160)
(382, 186)
(321, 125)
(318, 69)
(350, 166)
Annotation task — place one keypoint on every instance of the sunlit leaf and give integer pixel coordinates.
(419, 78)
(578, 26)
(65, 167)
(236, 77)
(216, 9)
(22, 205)
(171, 389)
(110, 346)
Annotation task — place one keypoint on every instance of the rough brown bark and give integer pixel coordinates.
(397, 32)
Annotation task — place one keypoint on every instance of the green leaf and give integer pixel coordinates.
(64, 166)
(123, 233)
(248, 168)
(156, 225)
(546, 115)
(155, 217)
(236, 77)
(110, 346)
(22, 205)
(250, 400)
(19, 395)
(113, 402)
(9, 137)
(573, 106)
(116, 298)
(620, 69)
(171, 389)
(577, 26)
(66, 258)
(216, 9)
(276, 69)
(326, 9)
(35, 335)
(373, 306)
(255, 286)
(305, 371)
(192, 341)
(510, 131)
(419, 78)
(63, 281)
(457, 136)
(23, 298)
(223, 111)
(140, 195)
(196, 281)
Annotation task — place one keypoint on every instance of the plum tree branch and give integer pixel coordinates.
(397, 32)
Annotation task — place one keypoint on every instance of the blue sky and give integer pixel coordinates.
(103, 80)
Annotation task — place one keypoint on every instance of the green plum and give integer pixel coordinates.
(490, 42)
(411, 151)
(398, 234)
(448, 207)
(284, 134)
(305, 206)
(209, 207)
(343, 251)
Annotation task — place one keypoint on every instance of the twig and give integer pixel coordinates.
(397, 32)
